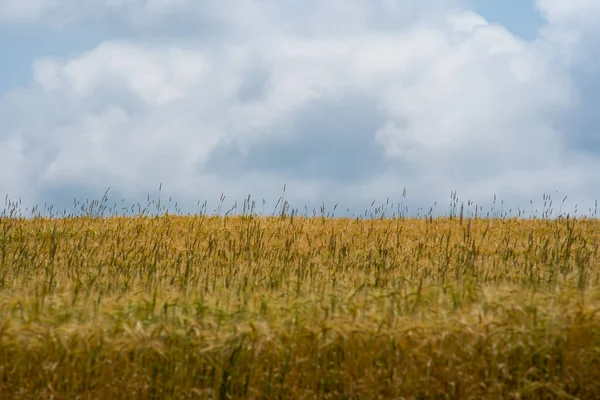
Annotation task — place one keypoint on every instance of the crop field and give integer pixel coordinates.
(291, 307)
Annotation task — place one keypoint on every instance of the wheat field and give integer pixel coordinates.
(290, 307)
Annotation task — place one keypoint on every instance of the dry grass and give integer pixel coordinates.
(299, 308)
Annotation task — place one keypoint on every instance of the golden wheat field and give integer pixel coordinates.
(289, 307)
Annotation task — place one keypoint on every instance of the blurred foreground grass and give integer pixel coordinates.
(299, 308)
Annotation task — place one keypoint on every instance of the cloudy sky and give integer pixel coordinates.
(344, 101)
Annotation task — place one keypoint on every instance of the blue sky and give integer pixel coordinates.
(521, 17)
(344, 101)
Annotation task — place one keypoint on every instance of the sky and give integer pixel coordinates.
(359, 103)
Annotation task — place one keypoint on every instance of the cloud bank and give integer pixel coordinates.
(343, 101)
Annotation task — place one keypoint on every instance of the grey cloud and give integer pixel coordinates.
(255, 84)
(330, 139)
(580, 122)
(218, 18)
(585, 119)
(582, 125)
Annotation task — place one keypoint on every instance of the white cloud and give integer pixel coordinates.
(457, 103)
(572, 27)
(577, 12)
(156, 76)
